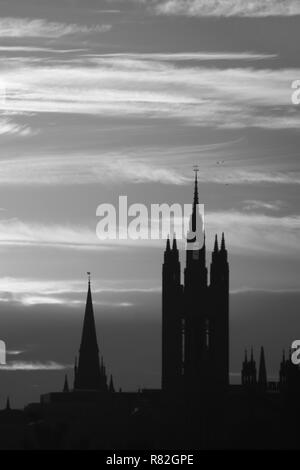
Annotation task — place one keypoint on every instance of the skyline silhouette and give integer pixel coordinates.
(195, 381)
(105, 100)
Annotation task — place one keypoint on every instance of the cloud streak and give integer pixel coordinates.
(227, 8)
(9, 127)
(107, 293)
(33, 366)
(157, 165)
(248, 232)
(32, 28)
(131, 86)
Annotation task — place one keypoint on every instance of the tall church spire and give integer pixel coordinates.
(88, 376)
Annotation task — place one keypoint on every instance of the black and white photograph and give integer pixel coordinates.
(149, 227)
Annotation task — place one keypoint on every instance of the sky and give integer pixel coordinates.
(106, 98)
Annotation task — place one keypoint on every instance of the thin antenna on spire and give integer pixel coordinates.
(196, 171)
(89, 277)
(196, 196)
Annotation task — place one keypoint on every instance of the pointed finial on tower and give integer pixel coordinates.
(196, 195)
(168, 248)
(223, 247)
(66, 385)
(262, 373)
(89, 278)
(216, 247)
(8, 404)
(174, 243)
(111, 388)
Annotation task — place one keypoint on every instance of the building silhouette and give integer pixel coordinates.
(195, 314)
(249, 372)
(196, 406)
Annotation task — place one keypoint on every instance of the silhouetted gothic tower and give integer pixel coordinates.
(171, 319)
(195, 316)
(89, 375)
(196, 344)
(249, 371)
(219, 315)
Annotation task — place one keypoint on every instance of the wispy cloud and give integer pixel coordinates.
(79, 169)
(243, 8)
(28, 27)
(247, 232)
(9, 127)
(257, 233)
(14, 49)
(14, 352)
(263, 205)
(33, 366)
(16, 232)
(129, 86)
(189, 56)
(107, 293)
(156, 165)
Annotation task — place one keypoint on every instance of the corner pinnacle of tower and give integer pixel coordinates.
(174, 248)
(111, 387)
(252, 356)
(223, 246)
(216, 247)
(8, 404)
(168, 246)
(66, 385)
(262, 355)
